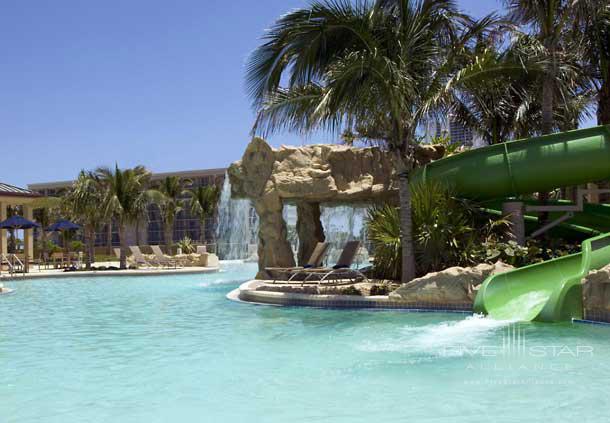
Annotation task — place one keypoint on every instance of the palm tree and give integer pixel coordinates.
(496, 95)
(372, 68)
(203, 202)
(83, 202)
(551, 43)
(46, 210)
(125, 196)
(593, 21)
(168, 197)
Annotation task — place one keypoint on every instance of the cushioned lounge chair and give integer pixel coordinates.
(315, 261)
(340, 271)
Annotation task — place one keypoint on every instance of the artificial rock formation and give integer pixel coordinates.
(596, 294)
(307, 176)
(452, 286)
(309, 229)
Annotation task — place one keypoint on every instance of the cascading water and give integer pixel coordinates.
(344, 223)
(341, 223)
(237, 226)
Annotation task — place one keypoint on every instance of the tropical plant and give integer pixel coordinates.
(383, 227)
(373, 68)
(125, 197)
(45, 210)
(553, 46)
(83, 203)
(444, 232)
(186, 245)
(203, 202)
(78, 246)
(593, 22)
(168, 197)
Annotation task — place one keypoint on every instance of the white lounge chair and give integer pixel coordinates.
(139, 258)
(162, 259)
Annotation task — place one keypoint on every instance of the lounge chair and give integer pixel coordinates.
(162, 259)
(340, 271)
(315, 261)
(139, 258)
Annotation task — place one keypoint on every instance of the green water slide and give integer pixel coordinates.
(525, 166)
(548, 291)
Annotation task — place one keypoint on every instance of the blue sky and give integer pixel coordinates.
(147, 82)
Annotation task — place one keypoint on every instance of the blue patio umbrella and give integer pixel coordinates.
(63, 225)
(18, 222)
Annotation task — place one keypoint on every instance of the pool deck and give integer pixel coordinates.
(36, 273)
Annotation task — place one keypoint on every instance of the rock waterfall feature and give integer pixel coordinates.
(308, 177)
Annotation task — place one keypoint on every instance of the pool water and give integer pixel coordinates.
(174, 349)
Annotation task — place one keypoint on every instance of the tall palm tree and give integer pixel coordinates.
(203, 202)
(497, 96)
(83, 203)
(549, 23)
(169, 195)
(125, 196)
(593, 22)
(374, 68)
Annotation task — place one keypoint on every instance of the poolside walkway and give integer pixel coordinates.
(36, 273)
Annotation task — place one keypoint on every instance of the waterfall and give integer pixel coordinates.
(341, 223)
(237, 226)
(344, 223)
(237, 229)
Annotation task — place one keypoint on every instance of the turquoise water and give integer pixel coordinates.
(173, 349)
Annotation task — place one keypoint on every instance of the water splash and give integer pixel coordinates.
(237, 230)
(444, 337)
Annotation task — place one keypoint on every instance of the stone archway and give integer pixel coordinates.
(308, 176)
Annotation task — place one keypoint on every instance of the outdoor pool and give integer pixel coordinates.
(174, 349)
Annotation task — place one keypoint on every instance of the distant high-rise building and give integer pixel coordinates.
(456, 132)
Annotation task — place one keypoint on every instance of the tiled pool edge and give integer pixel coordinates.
(247, 293)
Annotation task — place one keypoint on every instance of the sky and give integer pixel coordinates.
(152, 82)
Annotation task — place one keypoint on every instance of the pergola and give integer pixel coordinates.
(11, 196)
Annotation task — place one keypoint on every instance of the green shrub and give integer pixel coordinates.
(350, 290)
(379, 290)
(443, 232)
(443, 227)
(77, 246)
(449, 232)
(186, 245)
(383, 225)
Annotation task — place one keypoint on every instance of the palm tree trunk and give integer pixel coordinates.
(169, 236)
(109, 238)
(547, 105)
(202, 229)
(138, 232)
(90, 236)
(406, 229)
(547, 128)
(603, 105)
(123, 241)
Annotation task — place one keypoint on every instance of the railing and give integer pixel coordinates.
(12, 261)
